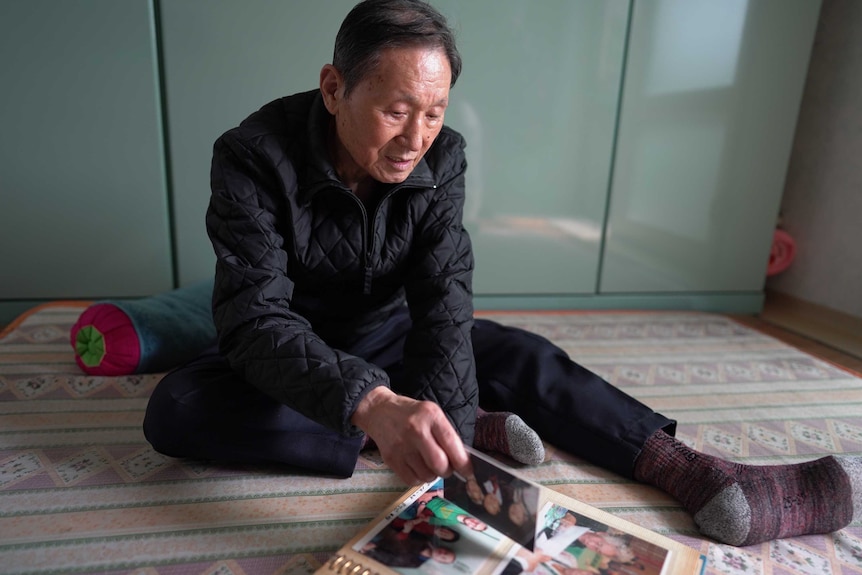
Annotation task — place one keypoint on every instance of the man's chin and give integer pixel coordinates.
(393, 177)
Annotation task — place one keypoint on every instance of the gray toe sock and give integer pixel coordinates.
(524, 443)
(852, 466)
(726, 517)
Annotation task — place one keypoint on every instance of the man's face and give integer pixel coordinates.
(492, 504)
(474, 491)
(599, 544)
(443, 555)
(391, 118)
(518, 513)
(472, 522)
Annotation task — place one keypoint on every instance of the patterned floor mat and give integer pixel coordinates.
(81, 491)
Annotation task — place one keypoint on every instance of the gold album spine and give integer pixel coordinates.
(342, 565)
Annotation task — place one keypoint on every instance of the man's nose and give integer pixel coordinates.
(413, 135)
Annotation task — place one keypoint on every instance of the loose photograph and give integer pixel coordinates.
(497, 497)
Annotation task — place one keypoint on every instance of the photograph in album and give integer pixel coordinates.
(429, 534)
(490, 520)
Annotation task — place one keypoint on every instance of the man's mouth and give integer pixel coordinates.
(400, 162)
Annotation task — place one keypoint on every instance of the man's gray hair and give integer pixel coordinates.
(376, 25)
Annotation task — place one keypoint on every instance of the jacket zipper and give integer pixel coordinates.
(368, 237)
(368, 243)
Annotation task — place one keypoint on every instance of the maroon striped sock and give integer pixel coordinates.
(747, 504)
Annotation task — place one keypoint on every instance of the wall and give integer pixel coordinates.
(822, 200)
(623, 154)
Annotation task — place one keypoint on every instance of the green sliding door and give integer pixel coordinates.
(84, 207)
(711, 95)
(536, 102)
(224, 59)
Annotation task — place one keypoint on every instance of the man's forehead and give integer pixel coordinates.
(410, 64)
(411, 98)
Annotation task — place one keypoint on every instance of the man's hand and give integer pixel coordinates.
(414, 437)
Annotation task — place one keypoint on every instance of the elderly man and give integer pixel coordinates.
(343, 307)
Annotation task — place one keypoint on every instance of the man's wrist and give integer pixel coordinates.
(373, 398)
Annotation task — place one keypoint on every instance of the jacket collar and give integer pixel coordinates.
(320, 172)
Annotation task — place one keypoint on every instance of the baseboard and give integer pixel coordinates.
(733, 303)
(828, 326)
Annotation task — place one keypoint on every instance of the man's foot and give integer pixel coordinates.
(507, 433)
(747, 504)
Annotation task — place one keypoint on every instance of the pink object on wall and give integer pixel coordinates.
(782, 254)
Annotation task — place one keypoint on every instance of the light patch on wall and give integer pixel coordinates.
(671, 158)
(688, 57)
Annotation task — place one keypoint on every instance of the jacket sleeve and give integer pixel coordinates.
(438, 353)
(265, 342)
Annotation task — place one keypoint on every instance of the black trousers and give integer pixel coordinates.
(204, 411)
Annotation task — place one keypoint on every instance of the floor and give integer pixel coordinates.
(817, 330)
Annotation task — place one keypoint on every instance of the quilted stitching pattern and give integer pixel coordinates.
(292, 247)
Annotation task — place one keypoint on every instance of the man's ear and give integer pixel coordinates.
(331, 87)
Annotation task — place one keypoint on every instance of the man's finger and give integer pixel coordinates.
(453, 448)
(436, 460)
(420, 470)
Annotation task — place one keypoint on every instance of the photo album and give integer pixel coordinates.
(494, 522)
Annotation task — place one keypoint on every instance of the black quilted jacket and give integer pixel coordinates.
(303, 269)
